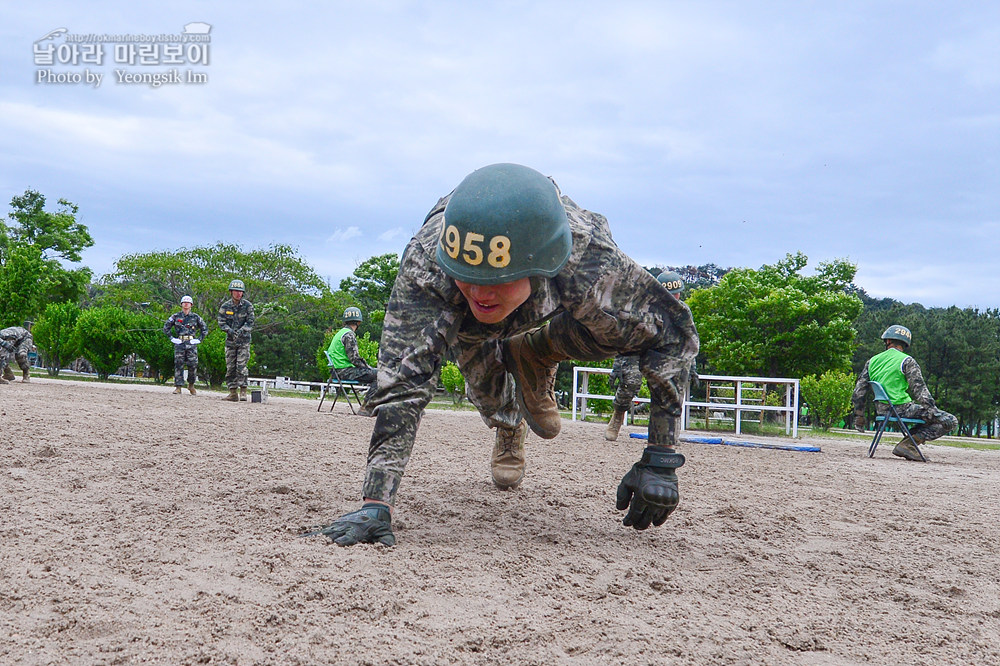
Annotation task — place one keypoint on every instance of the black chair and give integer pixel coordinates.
(891, 416)
(339, 387)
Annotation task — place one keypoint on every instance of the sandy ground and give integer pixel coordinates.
(137, 526)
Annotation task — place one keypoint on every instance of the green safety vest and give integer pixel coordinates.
(887, 369)
(338, 355)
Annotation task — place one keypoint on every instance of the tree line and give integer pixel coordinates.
(774, 321)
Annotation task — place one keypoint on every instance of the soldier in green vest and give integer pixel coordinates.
(343, 353)
(900, 375)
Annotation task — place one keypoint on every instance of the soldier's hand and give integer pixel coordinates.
(176, 341)
(859, 423)
(372, 523)
(649, 489)
(195, 341)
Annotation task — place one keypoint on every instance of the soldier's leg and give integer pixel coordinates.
(231, 368)
(938, 422)
(491, 390)
(179, 359)
(628, 387)
(6, 368)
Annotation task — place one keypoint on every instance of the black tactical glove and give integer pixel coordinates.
(649, 489)
(370, 524)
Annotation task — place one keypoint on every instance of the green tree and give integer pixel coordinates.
(147, 341)
(21, 285)
(104, 338)
(58, 239)
(293, 305)
(55, 335)
(453, 382)
(775, 322)
(828, 396)
(370, 286)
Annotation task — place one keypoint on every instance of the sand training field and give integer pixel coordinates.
(137, 526)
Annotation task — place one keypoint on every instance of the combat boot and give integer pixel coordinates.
(191, 389)
(243, 394)
(177, 390)
(234, 395)
(906, 449)
(507, 464)
(535, 379)
(614, 425)
(25, 376)
(8, 374)
(3, 381)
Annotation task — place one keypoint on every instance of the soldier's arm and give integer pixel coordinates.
(202, 327)
(420, 320)
(860, 392)
(917, 386)
(223, 319)
(167, 326)
(249, 321)
(350, 342)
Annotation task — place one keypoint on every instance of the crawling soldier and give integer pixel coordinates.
(509, 277)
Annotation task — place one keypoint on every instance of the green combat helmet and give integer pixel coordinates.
(897, 332)
(672, 281)
(352, 314)
(504, 222)
(236, 285)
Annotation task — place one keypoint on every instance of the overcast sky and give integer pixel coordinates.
(725, 132)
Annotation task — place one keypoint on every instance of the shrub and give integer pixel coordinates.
(828, 396)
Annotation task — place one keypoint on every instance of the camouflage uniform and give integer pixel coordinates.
(625, 380)
(237, 321)
(359, 371)
(601, 304)
(16, 342)
(185, 327)
(938, 422)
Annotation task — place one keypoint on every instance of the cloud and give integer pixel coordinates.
(341, 234)
(392, 234)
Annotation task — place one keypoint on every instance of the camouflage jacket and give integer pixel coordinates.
(620, 303)
(914, 378)
(236, 321)
(182, 325)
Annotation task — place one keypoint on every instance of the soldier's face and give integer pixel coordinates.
(237, 295)
(491, 303)
(186, 307)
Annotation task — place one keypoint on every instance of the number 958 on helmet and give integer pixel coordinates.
(502, 223)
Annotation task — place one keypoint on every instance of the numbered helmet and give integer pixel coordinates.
(897, 332)
(502, 223)
(672, 281)
(236, 285)
(186, 299)
(352, 314)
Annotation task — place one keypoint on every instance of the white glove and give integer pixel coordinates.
(195, 341)
(176, 341)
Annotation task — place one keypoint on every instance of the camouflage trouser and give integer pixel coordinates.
(938, 422)
(237, 357)
(20, 355)
(491, 388)
(362, 375)
(629, 380)
(185, 355)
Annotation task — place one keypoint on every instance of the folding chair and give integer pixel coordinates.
(892, 415)
(339, 387)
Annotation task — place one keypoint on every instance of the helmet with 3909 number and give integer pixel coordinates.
(897, 332)
(352, 314)
(236, 285)
(672, 281)
(502, 223)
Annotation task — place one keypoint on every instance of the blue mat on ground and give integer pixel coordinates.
(729, 442)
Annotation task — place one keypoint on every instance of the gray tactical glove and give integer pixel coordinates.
(649, 489)
(370, 524)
